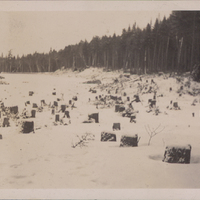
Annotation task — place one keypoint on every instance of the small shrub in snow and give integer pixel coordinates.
(82, 140)
(153, 132)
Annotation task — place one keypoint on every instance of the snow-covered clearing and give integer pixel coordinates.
(46, 159)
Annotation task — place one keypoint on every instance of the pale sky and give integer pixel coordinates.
(26, 29)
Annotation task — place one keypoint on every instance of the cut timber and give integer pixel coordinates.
(129, 141)
(14, 109)
(116, 126)
(94, 116)
(108, 136)
(6, 122)
(177, 154)
(27, 126)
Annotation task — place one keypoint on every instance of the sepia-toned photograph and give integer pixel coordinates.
(99, 95)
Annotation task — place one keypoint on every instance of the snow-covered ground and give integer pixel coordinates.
(45, 159)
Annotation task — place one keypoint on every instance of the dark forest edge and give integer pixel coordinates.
(170, 45)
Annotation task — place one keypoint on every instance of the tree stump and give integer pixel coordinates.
(117, 108)
(31, 93)
(33, 112)
(70, 102)
(133, 118)
(14, 109)
(75, 98)
(129, 141)
(107, 136)
(55, 103)
(34, 105)
(175, 105)
(6, 122)
(53, 111)
(116, 126)
(27, 126)
(128, 98)
(63, 108)
(121, 108)
(177, 154)
(67, 114)
(43, 103)
(54, 93)
(1, 137)
(57, 118)
(94, 116)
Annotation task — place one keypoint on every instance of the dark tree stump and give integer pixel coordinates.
(152, 102)
(177, 154)
(128, 98)
(75, 98)
(175, 105)
(53, 111)
(27, 126)
(129, 141)
(6, 122)
(14, 109)
(57, 118)
(170, 89)
(54, 93)
(111, 137)
(34, 105)
(63, 108)
(133, 118)
(1, 137)
(67, 114)
(70, 102)
(121, 108)
(94, 116)
(94, 91)
(55, 103)
(43, 103)
(116, 126)
(33, 112)
(117, 108)
(31, 93)
(27, 102)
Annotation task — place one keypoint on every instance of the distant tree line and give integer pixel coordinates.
(169, 45)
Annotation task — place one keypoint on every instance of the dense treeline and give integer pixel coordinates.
(171, 44)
